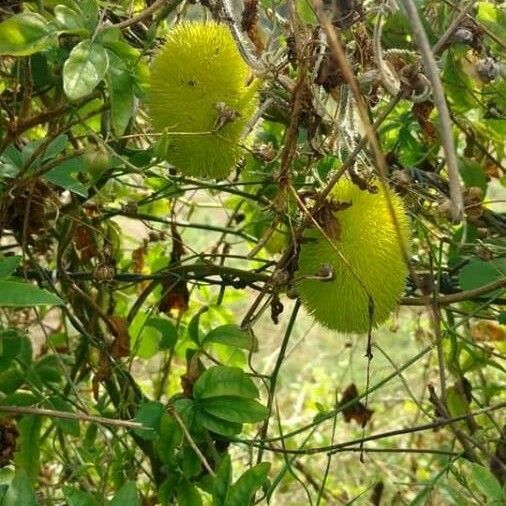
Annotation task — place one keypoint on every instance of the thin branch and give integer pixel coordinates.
(275, 373)
(81, 417)
(444, 300)
(191, 442)
(456, 198)
(441, 422)
(440, 44)
(144, 14)
(491, 34)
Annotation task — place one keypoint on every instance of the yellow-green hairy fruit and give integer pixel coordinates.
(202, 97)
(365, 235)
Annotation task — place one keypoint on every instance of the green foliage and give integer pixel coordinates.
(25, 34)
(155, 346)
(224, 399)
(16, 294)
(28, 447)
(76, 497)
(242, 491)
(20, 491)
(127, 494)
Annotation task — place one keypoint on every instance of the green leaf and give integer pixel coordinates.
(171, 436)
(231, 335)
(63, 175)
(493, 17)
(422, 497)
(17, 294)
(167, 330)
(46, 370)
(21, 342)
(11, 343)
(8, 265)
(220, 380)
(126, 495)
(24, 34)
(11, 380)
(234, 409)
(190, 464)
(193, 326)
(70, 20)
(27, 456)
(76, 497)
(90, 11)
(222, 481)
(218, 425)
(55, 147)
(473, 174)
(84, 69)
(144, 339)
(149, 414)
(20, 491)
(487, 483)
(20, 398)
(187, 494)
(121, 92)
(478, 273)
(458, 85)
(242, 491)
(457, 402)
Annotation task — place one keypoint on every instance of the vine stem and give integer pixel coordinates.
(274, 375)
(441, 422)
(429, 62)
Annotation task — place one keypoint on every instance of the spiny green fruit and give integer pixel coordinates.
(202, 96)
(367, 238)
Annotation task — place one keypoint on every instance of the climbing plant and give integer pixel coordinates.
(252, 252)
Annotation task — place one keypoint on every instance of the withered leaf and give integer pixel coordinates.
(357, 410)
(175, 294)
(488, 331)
(84, 242)
(194, 368)
(327, 219)
(120, 347)
(249, 24)
(138, 255)
(103, 372)
(377, 493)
(421, 111)
(329, 74)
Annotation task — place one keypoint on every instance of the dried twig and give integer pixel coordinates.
(457, 201)
(145, 13)
(67, 415)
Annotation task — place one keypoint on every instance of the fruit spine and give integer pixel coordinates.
(202, 97)
(364, 261)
